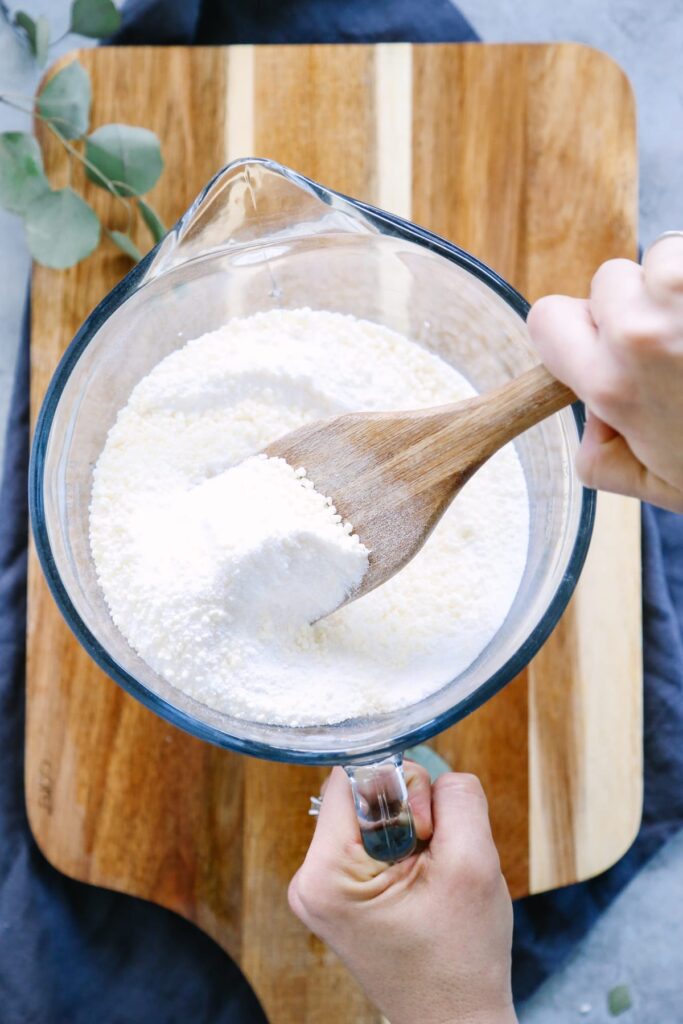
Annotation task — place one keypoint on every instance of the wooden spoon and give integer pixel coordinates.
(394, 474)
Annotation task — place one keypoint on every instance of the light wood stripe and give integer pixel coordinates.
(578, 709)
(394, 104)
(394, 162)
(239, 106)
(609, 688)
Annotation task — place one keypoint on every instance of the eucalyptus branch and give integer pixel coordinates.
(17, 96)
(61, 226)
(59, 39)
(14, 104)
(112, 186)
(34, 109)
(108, 184)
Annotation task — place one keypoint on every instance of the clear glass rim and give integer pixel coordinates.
(386, 224)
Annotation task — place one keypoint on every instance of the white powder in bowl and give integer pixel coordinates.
(213, 567)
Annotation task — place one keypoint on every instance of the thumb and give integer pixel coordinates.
(337, 858)
(337, 831)
(336, 855)
(336, 825)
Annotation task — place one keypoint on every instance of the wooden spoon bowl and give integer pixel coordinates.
(394, 474)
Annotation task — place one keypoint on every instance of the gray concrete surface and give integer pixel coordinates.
(639, 941)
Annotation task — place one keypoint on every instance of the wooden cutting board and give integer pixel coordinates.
(524, 155)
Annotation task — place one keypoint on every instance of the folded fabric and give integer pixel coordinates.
(211, 22)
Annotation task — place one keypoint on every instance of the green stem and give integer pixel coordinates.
(18, 96)
(32, 108)
(12, 102)
(108, 183)
(59, 39)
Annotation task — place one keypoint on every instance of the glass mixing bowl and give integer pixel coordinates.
(261, 236)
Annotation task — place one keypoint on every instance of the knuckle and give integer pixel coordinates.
(416, 774)
(465, 782)
(639, 333)
(479, 870)
(293, 897)
(666, 270)
(601, 392)
(608, 270)
(350, 851)
(542, 313)
(606, 388)
(308, 896)
(461, 784)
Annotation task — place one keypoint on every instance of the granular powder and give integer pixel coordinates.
(214, 564)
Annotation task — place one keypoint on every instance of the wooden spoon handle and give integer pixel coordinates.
(528, 399)
(519, 404)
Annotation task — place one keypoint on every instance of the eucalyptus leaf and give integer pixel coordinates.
(22, 179)
(37, 33)
(619, 1000)
(129, 157)
(65, 101)
(153, 221)
(97, 19)
(126, 244)
(25, 21)
(61, 229)
(429, 759)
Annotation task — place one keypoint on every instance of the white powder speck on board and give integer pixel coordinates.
(214, 563)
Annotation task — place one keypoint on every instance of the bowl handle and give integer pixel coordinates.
(381, 798)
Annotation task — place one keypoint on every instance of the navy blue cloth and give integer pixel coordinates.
(72, 954)
(211, 22)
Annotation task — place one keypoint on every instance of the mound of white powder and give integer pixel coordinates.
(214, 563)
